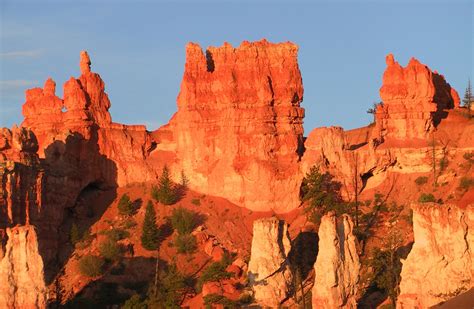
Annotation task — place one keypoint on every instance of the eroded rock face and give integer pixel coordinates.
(440, 264)
(337, 264)
(414, 100)
(22, 282)
(269, 273)
(239, 123)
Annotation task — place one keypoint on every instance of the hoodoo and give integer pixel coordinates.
(239, 123)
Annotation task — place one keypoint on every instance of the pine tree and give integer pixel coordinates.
(125, 205)
(165, 193)
(150, 232)
(468, 97)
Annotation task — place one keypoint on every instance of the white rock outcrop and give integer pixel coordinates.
(440, 264)
(269, 273)
(337, 264)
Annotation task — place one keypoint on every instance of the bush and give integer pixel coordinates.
(117, 234)
(91, 266)
(322, 193)
(166, 192)
(421, 180)
(185, 243)
(128, 223)
(150, 233)
(169, 291)
(134, 302)
(74, 234)
(110, 250)
(196, 201)
(183, 220)
(214, 298)
(427, 198)
(466, 183)
(125, 206)
(85, 240)
(215, 272)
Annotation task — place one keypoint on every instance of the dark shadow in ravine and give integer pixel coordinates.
(79, 184)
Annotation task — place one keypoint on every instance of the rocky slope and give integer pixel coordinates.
(440, 264)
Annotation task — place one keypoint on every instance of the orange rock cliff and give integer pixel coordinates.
(237, 134)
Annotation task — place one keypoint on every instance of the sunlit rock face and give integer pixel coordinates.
(414, 100)
(440, 264)
(269, 273)
(22, 283)
(337, 264)
(239, 123)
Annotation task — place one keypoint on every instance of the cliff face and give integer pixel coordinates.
(269, 273)
(239, 123)
(440, 264)
(337, 265)
(21, 270)
(414, 100)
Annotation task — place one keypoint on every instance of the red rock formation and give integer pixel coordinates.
(239, 123)
(414, 100)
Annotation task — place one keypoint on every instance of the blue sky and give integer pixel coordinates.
(139, 48)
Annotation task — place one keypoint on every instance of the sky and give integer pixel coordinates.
(138, 48)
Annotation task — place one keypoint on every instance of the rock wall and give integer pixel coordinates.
(21, 270)
(415, 99)
(440, 264)
(337, 264)
(269, 273)
(239, 123)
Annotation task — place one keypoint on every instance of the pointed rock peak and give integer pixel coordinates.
(414, 62)
(85, 63)
(389, 59)
(49, 87)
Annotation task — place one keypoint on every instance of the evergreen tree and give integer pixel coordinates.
(165, 193)
(125, 205)
(468, 97)
(150, 232)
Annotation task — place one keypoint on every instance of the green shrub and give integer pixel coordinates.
(215, 272)
(125, 206)
(443, 163)
(166, 192)
(117, 234)
(185, 243)
(150, 233)
(421, 180)
(110, 250)
(466, 183)
(168, 293)
(196, 201)
(212, 299)
(427, 198)
(134, 302)
(91, 266)
(322, 194)
(183, 220)
(128, 223)
(74, 234)
(85, 240)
